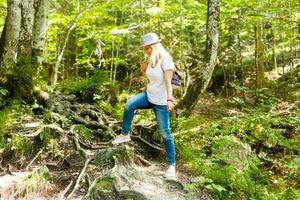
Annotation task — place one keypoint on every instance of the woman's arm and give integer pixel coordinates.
(170, 100)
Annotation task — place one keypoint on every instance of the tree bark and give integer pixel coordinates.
(187, 104)
(70, 56)
(39, 30)
(60, 55)
(25, 38)
(20, 39)
(10, 35)
(259, 55)
(274, 49)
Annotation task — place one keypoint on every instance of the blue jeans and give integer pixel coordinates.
(140, 101)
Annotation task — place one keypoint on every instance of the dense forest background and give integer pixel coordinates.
(236, 122)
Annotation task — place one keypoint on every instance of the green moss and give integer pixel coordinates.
(104, 185)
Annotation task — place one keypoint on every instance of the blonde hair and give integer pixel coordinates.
(158, 52)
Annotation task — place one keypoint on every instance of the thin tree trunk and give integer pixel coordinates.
(187, 104)
(70, 55)
(240, 56)
(116, 64)
(53, 81)
(274, 49)
(142, 16)
(259, 55)
(182, 59)
(283, 56)
(298, 41)
(72, 26)
(212, 42)
(39, 31)
(158, 20)
(112, 62)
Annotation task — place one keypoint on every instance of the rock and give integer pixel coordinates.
(232, 151)
(146, 184)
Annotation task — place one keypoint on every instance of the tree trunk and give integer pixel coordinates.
(19, 39)
(142, 16)
(10, 36)
(39, 31)
(25, 38)
(297, 40)
(72, 26)
(282, 55)
(202, 80)
(239, 55)
(274, 49)
(259, 54)
(70, 56)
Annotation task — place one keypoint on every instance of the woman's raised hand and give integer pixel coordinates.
(143, 67)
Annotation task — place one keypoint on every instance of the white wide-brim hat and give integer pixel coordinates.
(148, 39)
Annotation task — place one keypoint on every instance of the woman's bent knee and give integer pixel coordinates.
(129, 105)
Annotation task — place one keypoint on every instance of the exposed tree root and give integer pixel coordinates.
(79, 178)
(50, 126)
(35, 157)
(92, 186)
(143, 160)
(148, 143)
(131, 175)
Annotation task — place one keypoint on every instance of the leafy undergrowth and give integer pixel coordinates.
(65, 151)
(11, 141)
(108, 97)
(250, 156)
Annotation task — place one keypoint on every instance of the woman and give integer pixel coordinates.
(158, 96)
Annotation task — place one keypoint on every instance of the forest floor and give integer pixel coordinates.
(71, 157)
(61, 149)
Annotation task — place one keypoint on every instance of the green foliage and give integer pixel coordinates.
(214, 151)
(86, 89)
(3, 94)
(22, 78)
(104, 185)
(115, 111)
(19, 144)
(51, 142)
(103, 189)
(263, 100)
(3, 12)
(53, 148)
(7, 116)
(84, 132)
(37, 182)
(142, 117)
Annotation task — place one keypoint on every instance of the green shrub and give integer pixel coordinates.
(3, 95)
(7, 116)
(84, 132)
(87, 88)
(270, 170)
(19, 144)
